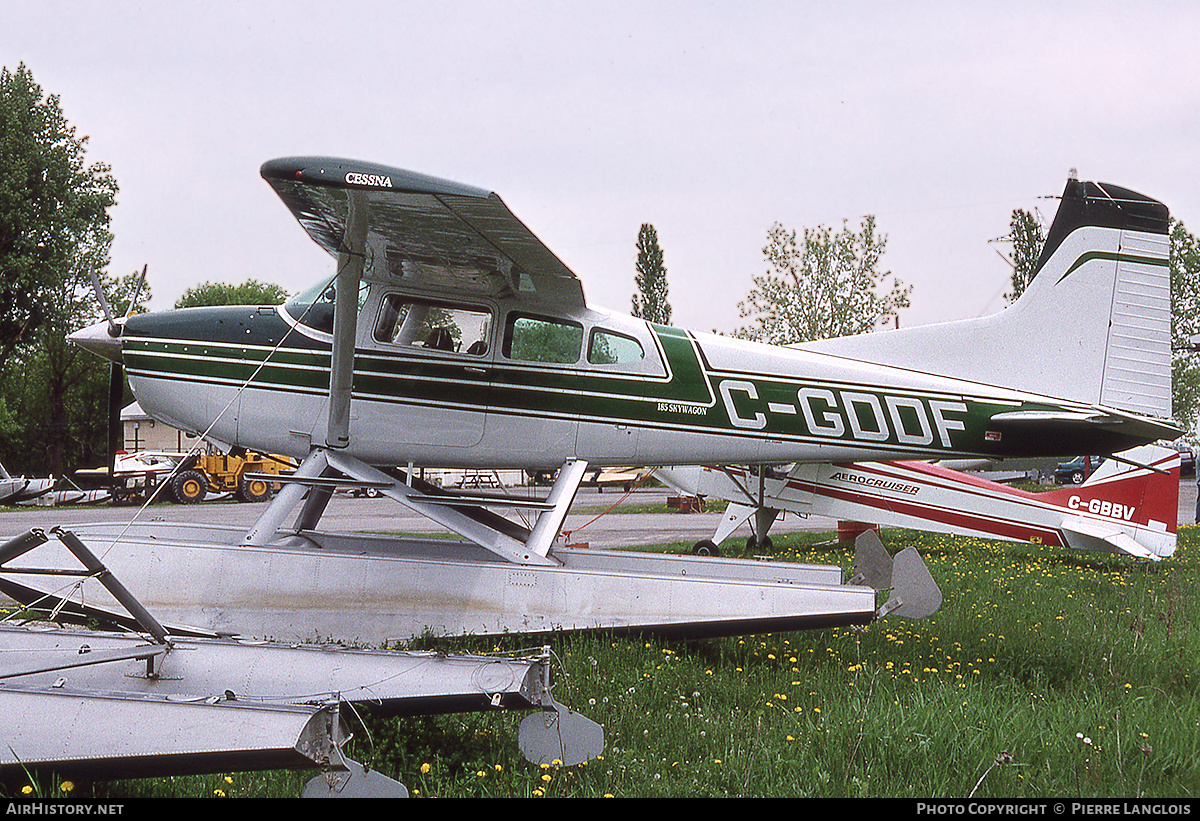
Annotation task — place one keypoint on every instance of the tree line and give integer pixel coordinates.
(54, 240)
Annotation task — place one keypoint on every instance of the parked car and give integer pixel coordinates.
(1076, 471)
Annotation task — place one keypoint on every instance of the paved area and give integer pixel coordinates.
(346, 513)
(1187, 501)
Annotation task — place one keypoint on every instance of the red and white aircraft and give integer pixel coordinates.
(1128, 506)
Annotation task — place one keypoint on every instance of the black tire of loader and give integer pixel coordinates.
(254, 490)
(189, 487)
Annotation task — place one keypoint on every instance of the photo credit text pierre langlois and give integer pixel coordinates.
(1056, 808)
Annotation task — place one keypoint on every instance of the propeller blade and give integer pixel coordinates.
(137, 291)
(112, 323)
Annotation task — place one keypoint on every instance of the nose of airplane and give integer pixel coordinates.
(98, 339)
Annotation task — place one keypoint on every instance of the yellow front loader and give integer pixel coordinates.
(202, 474)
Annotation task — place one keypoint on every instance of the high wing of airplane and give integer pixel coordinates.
(1128, 506)
(450, 336)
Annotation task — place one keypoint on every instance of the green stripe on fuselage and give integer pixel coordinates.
(693, 398)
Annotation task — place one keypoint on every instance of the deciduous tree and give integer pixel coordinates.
(250, 292)
(54, 231)
(820, 285)
(53, 208)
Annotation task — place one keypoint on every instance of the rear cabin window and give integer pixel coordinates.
(540, 339)
(608, 348)
(434, 326)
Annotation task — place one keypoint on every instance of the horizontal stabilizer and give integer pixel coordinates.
(1078, 425)
(1082, 534)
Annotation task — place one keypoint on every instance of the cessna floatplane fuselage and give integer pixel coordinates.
(450, 336)
(515, 384)
(473, 346)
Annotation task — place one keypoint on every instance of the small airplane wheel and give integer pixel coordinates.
(753, 543)
(372, 493)
(706, 548)
(189, 487)
(254, 490)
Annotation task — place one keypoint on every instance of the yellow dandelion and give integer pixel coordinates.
(425, 768)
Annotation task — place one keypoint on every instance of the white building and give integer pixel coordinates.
(143, 432)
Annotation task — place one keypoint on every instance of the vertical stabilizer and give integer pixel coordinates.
(1129, 505)
(1093, 326)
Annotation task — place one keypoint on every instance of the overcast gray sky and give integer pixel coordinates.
(709, 120)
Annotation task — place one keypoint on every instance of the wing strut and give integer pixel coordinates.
(351, 260)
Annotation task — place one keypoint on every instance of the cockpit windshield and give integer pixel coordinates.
(314, 306)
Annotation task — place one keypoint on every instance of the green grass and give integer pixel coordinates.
(1047, 672)
(710, 506)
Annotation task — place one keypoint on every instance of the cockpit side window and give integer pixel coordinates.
(542, 339)
(314, 307)
(432, 325)
(609, 348)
